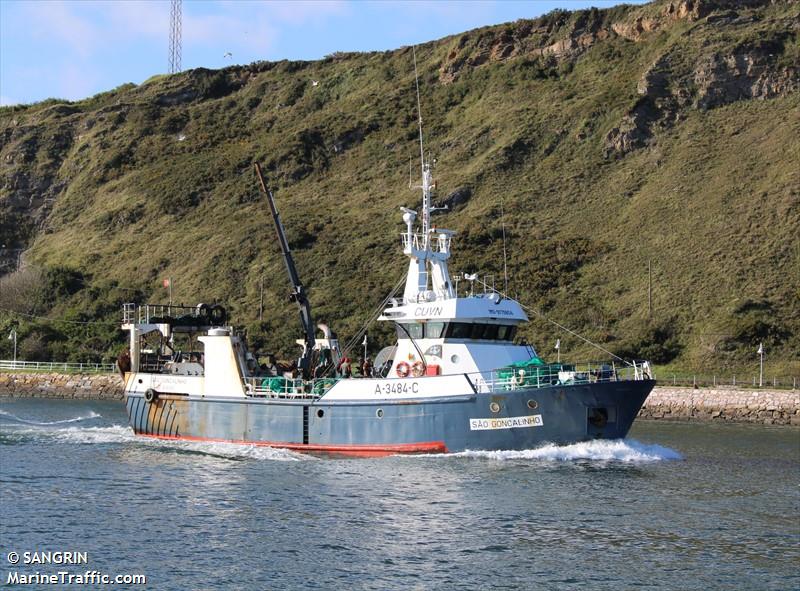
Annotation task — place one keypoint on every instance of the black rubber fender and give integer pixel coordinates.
(150, 395)
(203, 311)
(218, 315)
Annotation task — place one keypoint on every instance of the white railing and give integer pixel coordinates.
(555, 374)
(288, 388)
(501, 380)
(57, 366)
(146, 313)
(436, 242)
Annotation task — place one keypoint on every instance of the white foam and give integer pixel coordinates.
(618, 450)
(238, 450)
(15, 418)
(124, 434)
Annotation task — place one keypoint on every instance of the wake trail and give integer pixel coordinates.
(628, 451)
(16, 419)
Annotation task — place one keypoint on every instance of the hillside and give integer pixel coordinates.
(667, 133)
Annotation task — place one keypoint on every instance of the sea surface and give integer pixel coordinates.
(674, 506)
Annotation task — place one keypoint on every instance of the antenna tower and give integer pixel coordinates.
(175, 36)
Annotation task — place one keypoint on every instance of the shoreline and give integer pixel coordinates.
(665, 403)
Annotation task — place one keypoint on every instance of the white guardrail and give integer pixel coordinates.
(56, 366)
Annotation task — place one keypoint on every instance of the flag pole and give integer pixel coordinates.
(761, 365)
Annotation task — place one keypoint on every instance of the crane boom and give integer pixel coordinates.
(298, 294)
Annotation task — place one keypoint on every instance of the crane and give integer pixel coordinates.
(298, 294)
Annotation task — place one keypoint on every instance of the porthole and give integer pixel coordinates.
(454, 358)
(320, 413)
(533, 405)
(140, 380)
(494, 407)
(379, 413)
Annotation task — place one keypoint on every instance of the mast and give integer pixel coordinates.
(425, 167)
(428, 277)
(298, 294)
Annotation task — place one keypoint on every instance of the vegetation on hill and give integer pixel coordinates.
(602, 140)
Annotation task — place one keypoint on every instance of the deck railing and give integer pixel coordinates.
(544, 376)
(287, 388)
(501, 380)
(142, 314)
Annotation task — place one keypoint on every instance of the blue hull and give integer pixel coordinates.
(500, 421)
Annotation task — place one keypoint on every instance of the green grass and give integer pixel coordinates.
(712, 202)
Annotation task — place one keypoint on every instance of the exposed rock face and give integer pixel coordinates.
(547, 37)
(558, 36)
(747, 74)
(750, 72)
(659, 105)
(457, 198)
(28, 189)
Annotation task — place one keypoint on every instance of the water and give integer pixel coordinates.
(676, 506)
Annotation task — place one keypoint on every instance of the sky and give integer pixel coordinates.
(72, 49)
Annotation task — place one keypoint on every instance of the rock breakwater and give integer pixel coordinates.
(771, 407)
(54, 385)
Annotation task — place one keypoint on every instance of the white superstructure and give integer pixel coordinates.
(440, 333)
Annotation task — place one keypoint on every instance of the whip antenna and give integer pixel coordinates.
(419, 108)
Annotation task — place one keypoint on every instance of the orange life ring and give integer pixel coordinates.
(417, 369)
(403, 369)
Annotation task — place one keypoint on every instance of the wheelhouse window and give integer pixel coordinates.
(477, 331)
(456, 330)
(411, 329)
(434, 330)
(506, 332)
(484, 332)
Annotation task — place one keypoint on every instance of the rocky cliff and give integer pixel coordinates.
(665, 133)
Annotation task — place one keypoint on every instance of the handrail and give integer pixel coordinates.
(55, 366)
(436, 243)
(500, 380)
(559, 374)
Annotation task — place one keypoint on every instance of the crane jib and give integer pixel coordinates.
(298, 292)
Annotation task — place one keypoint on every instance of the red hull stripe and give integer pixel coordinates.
(364, 451)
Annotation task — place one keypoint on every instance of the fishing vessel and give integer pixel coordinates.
(455, 379)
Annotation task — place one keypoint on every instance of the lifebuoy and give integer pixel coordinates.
(150, 395)
(403, 369)
(417, 369)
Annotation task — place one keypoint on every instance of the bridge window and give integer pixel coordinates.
(434, 330)
(477, 331)
(456, 330)
(483, 332)
(506, 332)
(459, 330)
(414, 330)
